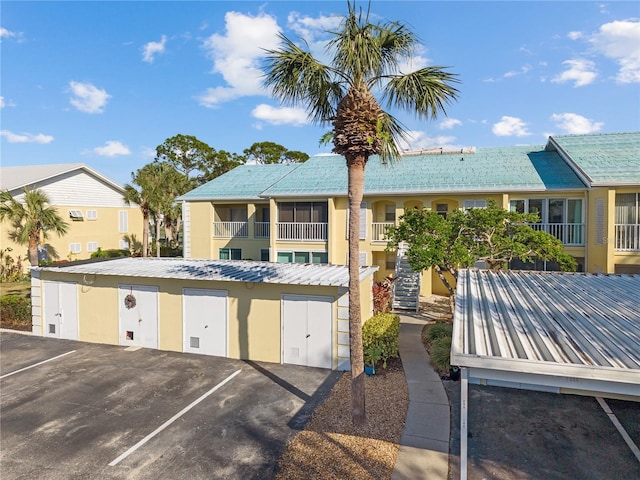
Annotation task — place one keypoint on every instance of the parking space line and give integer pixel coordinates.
(619, 427)
(172, 419)
(36, 365)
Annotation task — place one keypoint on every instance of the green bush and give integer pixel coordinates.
(380, 334)
(437, 331)
(15, 309)
(441, 354)
(110, 253)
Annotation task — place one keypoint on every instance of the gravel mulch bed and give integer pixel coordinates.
(330, 447)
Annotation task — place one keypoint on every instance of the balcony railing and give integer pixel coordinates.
(378, 231)
(567, 233)
(627, 237)
(302, 231)
(230, 229)
(261, 229)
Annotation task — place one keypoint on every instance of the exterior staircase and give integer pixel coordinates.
(406, 286)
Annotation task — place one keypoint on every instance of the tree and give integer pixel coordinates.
(492, 234)
(365, 57)
(152, 182)
(31, 220)
(270, 152)
(221, 162)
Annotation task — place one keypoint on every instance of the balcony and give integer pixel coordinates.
(627, 237)
(570, 234)
(378, 231)
(230, 229)
(261, 229)
(303, 231)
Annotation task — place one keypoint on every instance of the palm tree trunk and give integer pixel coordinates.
(355, 167)
(145, 235)
(33, 251)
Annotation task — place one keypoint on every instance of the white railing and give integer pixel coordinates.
(627, 237)
(230, 229)
(567, 233)
(378, 231)
(261, 229)
(301, 231)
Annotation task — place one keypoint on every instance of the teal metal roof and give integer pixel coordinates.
(603, 159)
(245, 182)
(486, 170)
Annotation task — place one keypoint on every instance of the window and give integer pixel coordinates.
(302, 257)
(442, 209)
(230, 254)
(92, 246)
(560, 217)
(627, 208)
(75, 247)
(123, 225)
(474, 204)
(389, 213)
(92, 214)
(264, 255)
(390, 263)
(303, 212)
(75, 215)
(124, 245)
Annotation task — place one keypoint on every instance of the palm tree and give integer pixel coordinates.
(365, 57)
(31, 220)
(158, 184)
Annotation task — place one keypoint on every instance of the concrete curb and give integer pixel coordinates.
(424, 446)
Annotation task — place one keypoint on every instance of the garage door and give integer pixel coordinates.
(204, 315)
(138, 314)
(307, 330)
(60, 309)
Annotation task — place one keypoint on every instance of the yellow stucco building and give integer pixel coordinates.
(586, 189)
(90, 203)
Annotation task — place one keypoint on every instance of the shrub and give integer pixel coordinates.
(380, 333)
(437, 331)
(441, 354)
(382, 296)
(15, 309)
(111, 253)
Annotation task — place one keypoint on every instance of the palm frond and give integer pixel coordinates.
(426, 91)
(296, 77)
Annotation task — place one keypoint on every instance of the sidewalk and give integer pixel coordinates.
(424, 446)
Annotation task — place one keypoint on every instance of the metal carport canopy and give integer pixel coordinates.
(568, 333)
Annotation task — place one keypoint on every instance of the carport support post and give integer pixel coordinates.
(464, 401)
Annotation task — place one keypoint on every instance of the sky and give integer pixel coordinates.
(104, 83)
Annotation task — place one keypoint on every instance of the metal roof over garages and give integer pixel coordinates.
(218, 270)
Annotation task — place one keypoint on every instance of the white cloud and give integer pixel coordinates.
(581, 72)
(620, 41)
(88, 98)
(2, 104)
(574, 35)
(152, 48)
(513, 73)
(510, 126)
(236, 56)
(419, 139)
(575, 124)
(25, 137)
(4, 33)
(280, 116)
(112, 148)
(449, 123)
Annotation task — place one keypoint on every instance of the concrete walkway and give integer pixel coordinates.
(424, 446)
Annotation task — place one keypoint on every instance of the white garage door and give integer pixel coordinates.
(60, 309)
(204, 317)
(307, 330)
(138, 313)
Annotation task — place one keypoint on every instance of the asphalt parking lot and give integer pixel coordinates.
(526, 435)
(99, 411)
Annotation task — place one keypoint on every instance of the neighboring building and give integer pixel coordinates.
(89, 202)
(585, 187)
(259, 311)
